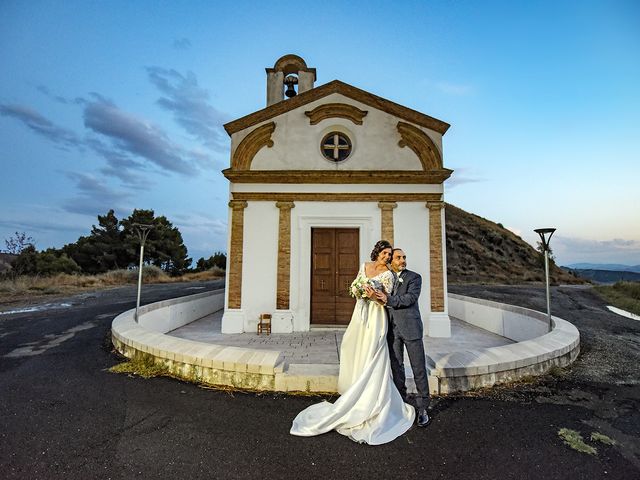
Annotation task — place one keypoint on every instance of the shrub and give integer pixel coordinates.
(117, 277)
(624, 295)
(48, 262)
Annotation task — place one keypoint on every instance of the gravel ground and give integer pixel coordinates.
(605, 379)
(609, 343)
(64, 415)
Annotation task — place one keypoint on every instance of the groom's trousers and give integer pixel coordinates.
(415, 350)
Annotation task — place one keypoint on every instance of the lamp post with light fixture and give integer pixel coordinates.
(543, 232)
(142, 230)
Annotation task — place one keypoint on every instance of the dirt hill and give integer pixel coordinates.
(481, 251)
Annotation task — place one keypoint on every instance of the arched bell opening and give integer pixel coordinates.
(288, 77)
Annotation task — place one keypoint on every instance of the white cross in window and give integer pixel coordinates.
(335, 146)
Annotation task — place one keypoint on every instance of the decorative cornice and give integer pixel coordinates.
(435, 205)
(342, 88)
(387, 205)
(335, 197)
(285, 205)
(238, 204)
(421, 144)
(249, 146)
(338, 176)
(332, 110)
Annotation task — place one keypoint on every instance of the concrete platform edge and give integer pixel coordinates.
(242, 368)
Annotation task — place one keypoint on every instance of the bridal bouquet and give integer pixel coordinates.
(356, 290)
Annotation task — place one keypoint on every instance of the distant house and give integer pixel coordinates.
(315, 180)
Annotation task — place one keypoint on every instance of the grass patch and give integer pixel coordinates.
(574, 440)
(557, 372)
(26, 288)
(602, 438)
(142, 368)
(624, 295)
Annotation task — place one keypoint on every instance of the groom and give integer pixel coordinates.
(405, 330)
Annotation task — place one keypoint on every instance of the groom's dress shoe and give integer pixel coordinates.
(423, 418)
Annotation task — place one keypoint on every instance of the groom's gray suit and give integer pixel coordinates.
(405, 329)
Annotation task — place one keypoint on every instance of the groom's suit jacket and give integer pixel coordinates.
(402, 306)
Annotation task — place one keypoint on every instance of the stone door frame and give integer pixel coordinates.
(301, 275)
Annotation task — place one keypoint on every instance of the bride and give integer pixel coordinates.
(370, 408)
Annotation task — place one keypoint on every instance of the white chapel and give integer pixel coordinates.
(316, 178)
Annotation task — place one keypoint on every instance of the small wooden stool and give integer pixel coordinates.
(264, 323)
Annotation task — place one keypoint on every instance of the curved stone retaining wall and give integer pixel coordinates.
(536, 350)
(200, 362)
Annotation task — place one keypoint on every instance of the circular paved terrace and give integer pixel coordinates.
(490, 343)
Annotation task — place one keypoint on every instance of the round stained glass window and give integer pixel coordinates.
(336, 146)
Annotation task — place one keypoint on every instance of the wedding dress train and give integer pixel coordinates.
(370, 409)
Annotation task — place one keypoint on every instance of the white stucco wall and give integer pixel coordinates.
(297, 143)
(260, 261)
(411, 229)
(297, 147)
(259, 273)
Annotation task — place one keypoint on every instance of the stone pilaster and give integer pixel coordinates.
(234, 262)
(305, 81)
(284, 255)
(436, 256)
(386, 220)
(275, 87)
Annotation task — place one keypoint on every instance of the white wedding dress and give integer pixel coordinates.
(370, 408)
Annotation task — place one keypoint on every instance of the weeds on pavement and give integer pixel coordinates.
(602, 438)
(574, 440)
(145, 369)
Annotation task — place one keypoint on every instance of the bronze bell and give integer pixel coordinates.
(290, 81)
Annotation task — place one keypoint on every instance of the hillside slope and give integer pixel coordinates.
(481, 251)
(607, 276)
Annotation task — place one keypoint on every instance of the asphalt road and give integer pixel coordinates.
(62, 415)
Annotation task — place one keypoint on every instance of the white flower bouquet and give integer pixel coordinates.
(357, 288)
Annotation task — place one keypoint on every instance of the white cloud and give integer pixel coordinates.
(517, 231)
(129, 134)
(202, 233)
(182, 44)
(577, 250)
(41, 125)
(94, 197)
(462, 175)
(190, 106)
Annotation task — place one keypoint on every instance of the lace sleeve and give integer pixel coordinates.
(387, 279)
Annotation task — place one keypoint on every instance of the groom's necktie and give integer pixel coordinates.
(396, 284)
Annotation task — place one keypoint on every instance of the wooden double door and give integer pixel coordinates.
(334, 265)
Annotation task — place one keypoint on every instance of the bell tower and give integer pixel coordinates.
(289, 71)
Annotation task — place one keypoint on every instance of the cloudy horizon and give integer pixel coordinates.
(97, 114)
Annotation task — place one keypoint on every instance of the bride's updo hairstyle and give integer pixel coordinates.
(378, 247)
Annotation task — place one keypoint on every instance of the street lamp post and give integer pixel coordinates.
(142, 230)
(543, 232)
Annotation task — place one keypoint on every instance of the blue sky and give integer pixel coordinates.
(120, 104)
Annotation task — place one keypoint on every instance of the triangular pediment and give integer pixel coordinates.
(342, 88)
